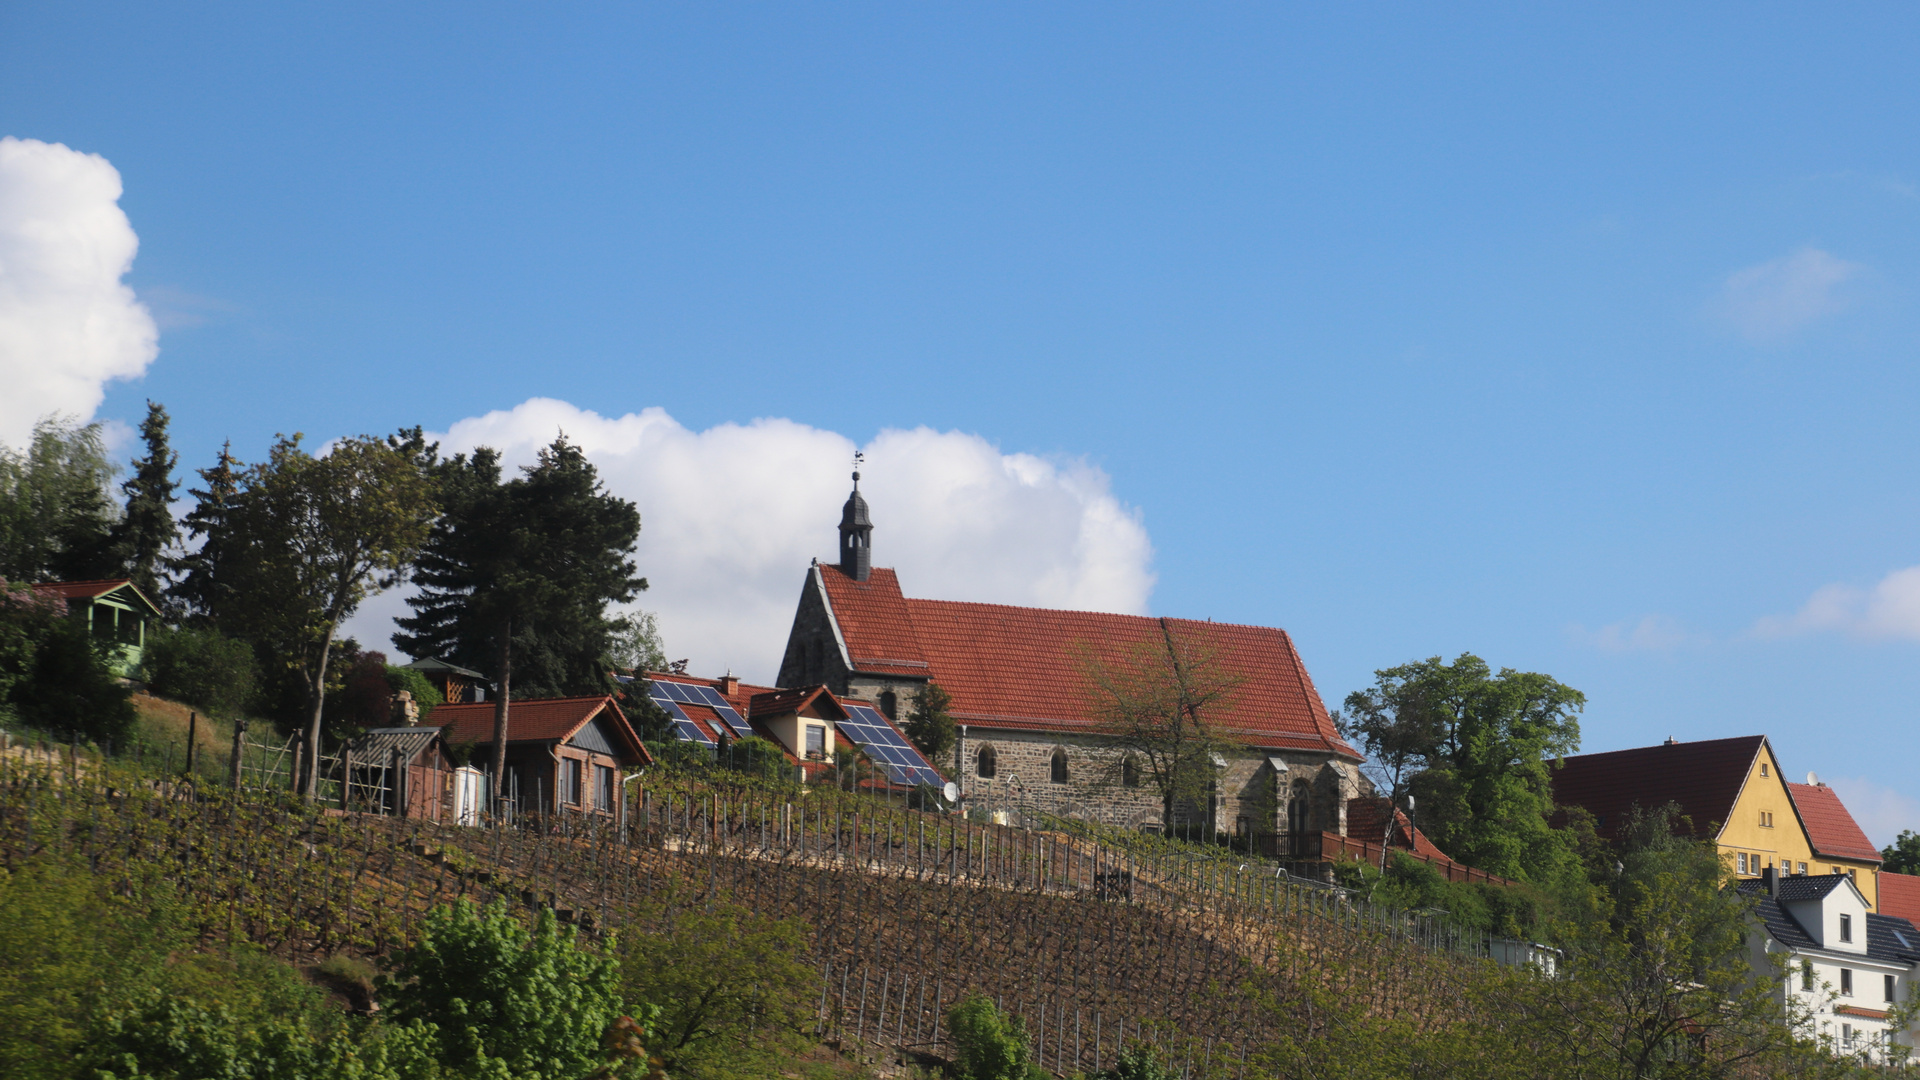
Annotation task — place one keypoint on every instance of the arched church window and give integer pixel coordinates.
(1130, 772)
(890, 704)
(1059, 766)
(984, 764)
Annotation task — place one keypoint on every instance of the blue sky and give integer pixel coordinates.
(1580, 338)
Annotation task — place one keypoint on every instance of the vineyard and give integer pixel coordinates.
(1090, 942)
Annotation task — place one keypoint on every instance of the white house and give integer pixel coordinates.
(1847, 969)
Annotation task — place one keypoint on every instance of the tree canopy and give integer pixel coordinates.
(146, 530)
(516, 577)
(56, 508)
(1476, 749)
(303, 540)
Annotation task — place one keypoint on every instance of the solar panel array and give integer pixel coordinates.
(885, 746)
(671, 695)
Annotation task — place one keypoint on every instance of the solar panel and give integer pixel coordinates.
(898, 758)
(684, 728)
(713, 700)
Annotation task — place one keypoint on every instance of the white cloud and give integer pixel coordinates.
(1770, 301)
(1880, 811)
(732, 515)
(67, 324)
(1891, 609)
(1653, 633)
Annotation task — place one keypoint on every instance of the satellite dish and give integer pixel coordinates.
(951, 791)
(1812, 780)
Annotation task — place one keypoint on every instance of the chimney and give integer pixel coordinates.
(1671, 741)
(730, 684)
(1770, 880)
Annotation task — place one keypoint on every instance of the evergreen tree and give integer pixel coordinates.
(146, 530)
(199, 588)
(516, 578)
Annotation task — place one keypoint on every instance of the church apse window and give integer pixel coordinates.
(1059, 767)
(1130, 772)
(984, 763)
(890, 704)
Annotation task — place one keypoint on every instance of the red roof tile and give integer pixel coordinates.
(77, 590)
(1704, 777)
(1367, 820)
(533, 720)
(1021, 667)
(782, 702)
(1832, 831)
(1899, 895)
(89, 590)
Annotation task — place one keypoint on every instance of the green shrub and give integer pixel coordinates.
(508, 1002)
(989, 1045)
(734, 988)
(1138, 1062)
(202, 668)
(67, 946)
(425, 694)
(756, 756)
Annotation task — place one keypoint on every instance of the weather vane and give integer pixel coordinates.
(859, 459)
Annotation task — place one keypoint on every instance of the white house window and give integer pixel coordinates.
(1888, 986)
(1846, 1034)
(1806, 974)
(1846, 981)
(816, 741)
(1846, 928)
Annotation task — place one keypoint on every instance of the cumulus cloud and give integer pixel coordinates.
(1880, 811)
(1891, 609)
(1653, 633)
(732, 515)
(1770, 301)
(68, 326)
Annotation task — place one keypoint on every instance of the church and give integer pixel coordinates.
(1031, 737)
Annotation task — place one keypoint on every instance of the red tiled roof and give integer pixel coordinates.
(781, 702)
(81, 590)
(1899, 895)
(1831, 830)
(1022, 668)
(875, 622)
(533, 720)
(1367, 820)
(1704, 777)
(90, 590)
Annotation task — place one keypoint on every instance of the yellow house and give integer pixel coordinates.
(1732, 793)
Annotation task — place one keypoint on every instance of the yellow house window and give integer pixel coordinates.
(1766, 819)
(1740, 862)
(1763, 768)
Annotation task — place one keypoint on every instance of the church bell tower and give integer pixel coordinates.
(856, 534)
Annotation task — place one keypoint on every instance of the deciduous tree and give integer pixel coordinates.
(306, 540)
(1482, 747)
(1154, 707)
(56, 516)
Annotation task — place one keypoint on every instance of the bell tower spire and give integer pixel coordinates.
(856, 531)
